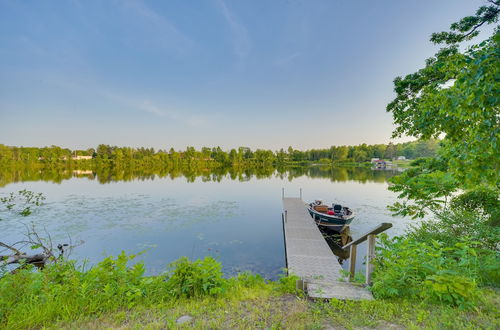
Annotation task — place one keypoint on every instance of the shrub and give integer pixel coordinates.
(450, 226)
(483, 200)
(451, 289)
(249, 280)
(33, 297)
(288, 284)
(409, 268)
(195, 278)
(63, 291)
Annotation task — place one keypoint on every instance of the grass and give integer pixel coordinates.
(258, 312)
(265, 308)
(402, 163)
(112, 295)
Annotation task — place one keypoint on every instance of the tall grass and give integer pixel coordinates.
(62, 291)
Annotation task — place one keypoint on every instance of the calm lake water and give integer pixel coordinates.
(238, 221)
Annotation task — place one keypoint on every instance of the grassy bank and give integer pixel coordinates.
(402, 163)
(112, 295)
(265, 308)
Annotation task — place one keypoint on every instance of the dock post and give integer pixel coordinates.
(300, 193)
(370, 255)
(284, 241)
(352, 262)
(282, 193)
(286, 215)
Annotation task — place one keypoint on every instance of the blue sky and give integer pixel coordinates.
(263, 74)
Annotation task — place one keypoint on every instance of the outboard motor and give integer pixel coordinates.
(337, 208)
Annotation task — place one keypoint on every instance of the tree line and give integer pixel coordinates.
(211, 157)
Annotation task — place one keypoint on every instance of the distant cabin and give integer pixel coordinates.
(81, 157)
(374, 160)
(381, 163)
(401, 158)
(82, 172)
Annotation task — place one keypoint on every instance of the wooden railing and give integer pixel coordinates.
(370, 236)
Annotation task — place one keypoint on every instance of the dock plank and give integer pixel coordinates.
(310, 257)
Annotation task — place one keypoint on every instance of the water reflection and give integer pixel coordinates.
(336, 240)
(116, 174)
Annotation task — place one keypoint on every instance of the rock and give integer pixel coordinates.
(184, 319)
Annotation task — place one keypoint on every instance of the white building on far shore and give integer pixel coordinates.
(81, 157)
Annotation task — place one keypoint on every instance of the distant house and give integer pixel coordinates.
(401, 158)
(82, 172)
(380, 163)
(374, 160)
(81, 157)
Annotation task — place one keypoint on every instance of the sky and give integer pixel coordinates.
(261, 74)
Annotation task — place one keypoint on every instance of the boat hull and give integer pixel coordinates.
(330, 221)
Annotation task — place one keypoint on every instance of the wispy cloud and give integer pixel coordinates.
(163, 32)
(90, 89)
(241, 42)
(149, 106)
(286, 60)
(190, 120)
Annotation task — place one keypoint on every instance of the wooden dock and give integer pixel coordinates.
(309, 256)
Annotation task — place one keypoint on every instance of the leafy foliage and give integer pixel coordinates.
(409, 314)
(482, 200)
(406, 267)
(196, 278)
(22, 202)
(455, 96)
(288, 284)
(64, 291)
(450, 226)
(61, 290)
(427, 185)
(467, 27)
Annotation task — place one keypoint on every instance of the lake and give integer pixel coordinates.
(234, 218)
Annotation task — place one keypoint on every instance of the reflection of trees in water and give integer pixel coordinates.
(106, 174)
(336, 241)
(341, 174)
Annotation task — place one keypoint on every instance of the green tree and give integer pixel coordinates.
(390, 151)
(360, 155)
(455, 96)
(6, 155)
(233, 156)
(339, 153)
(379, 150)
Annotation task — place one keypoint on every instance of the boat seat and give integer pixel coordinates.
(337, 208)
(321, 208)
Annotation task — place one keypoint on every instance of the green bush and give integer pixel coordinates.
(434, 271)
(482, 200)
(249, 280)
(63, 291)
(32, 297)
(196, 278)
(451, 289)
(450, 226)
(288, 284)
